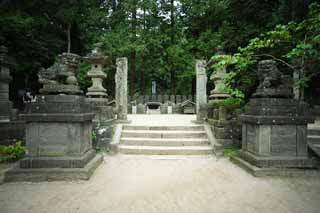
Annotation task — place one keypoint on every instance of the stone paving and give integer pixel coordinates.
(165, 184)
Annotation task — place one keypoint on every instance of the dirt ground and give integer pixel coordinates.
(165, 184)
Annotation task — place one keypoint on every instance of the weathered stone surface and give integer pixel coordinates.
(274, 125)
(97, 60)
(201, 102)
(60, 78)
(219, 93)
(121, 79)
(58, 136)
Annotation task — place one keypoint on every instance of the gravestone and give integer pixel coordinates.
(153, 98)
(274, 129)
(201, 102)
(178, 99)
(173, 99)
(58, 129)
(141, 108)
(165, 99)
(121, 79)
(146, 99)
(160, 98)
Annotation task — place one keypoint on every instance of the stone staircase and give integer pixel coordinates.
(164, 140)
(314, 138)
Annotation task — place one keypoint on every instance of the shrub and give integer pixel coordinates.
(230, 103)
(12, 152)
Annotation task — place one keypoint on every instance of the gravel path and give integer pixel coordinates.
(165, 184)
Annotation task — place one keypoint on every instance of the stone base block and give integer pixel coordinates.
(123, 121)
(18, 174)
(279, 172)
(279, 161)
(10, 131)
(58, 162)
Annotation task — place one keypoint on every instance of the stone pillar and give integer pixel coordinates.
(58, 129)
(274, 129)
(5, 78)
(201, 99)
(121, 79)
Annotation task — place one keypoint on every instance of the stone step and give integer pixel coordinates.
(165, 141)
(163, 134)
(315, 147)
(314, 139)
(313, 131)
(164, 128)
(166, 150)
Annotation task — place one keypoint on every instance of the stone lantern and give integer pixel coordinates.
(97, 61)
(97, 98)
(5, 79)
(219, 93)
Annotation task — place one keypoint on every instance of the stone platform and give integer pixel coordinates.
(18, 174)
(276, 172)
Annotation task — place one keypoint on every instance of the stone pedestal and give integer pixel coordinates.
(58, 130)
(58, 140)
(274, 134)
(274, 130)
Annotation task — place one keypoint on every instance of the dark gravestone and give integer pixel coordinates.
(173, 98)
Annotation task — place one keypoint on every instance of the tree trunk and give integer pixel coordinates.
(68, 32)
(133, 53)
(172, 69)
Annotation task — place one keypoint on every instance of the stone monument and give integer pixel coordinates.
(58, 129)
(201, 100)
(274, 129)
(121, 79)
(97, 98)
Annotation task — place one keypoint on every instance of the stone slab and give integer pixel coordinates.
(278, 172)
(53, 174)
(58, 162)
(279, 161)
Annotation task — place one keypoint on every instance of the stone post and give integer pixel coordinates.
(121, 79)
(201, 100)
(5, 78)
